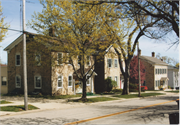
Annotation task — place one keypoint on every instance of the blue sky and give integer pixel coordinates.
(11, 10)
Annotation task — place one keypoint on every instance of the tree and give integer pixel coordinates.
(3, 26)
(163, 15)
(77, 29)
(134, 78)
(177, 65)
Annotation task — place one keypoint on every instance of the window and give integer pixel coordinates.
(160, 71)
(59, 58)
(38, 59)
(165, 71)
(18, 60)
(156, 84)
(88, 60)
(115, 63)
(3, 80)
(79, 60)
(109, 62)
(116, 80)
(18, 81)
(60, 81)
(88, 80)
(156, 71)
(68, 58)
(38, 81)
(69, 80)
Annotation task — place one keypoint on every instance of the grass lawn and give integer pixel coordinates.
(92, 100)
(136, 95)
(17, 108)
(4, 102)
(46, 96)
(176, 91)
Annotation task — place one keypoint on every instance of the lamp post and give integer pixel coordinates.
(139, 73)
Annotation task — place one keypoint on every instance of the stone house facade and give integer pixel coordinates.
(107, 66)
(156, 72)
(44, 73)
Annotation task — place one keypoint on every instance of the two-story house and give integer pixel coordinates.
(107, 66)
(156, 72)
(46, 72)
(173, 75)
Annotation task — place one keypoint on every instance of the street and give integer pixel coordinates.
(132, 111)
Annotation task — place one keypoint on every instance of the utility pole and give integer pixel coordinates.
(24, 60)
(139, 74)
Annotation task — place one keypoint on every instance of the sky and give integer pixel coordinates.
(11, 10)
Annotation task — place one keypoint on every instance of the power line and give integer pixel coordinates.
(12, 29)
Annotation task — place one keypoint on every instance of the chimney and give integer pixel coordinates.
(52, 31)
(153, 54)
(139, 52)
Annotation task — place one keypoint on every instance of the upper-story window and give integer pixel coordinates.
(18, 60)
(59, 58)
(38, 81)
(156, 71)
(88, 80)
(115, 63)
(109, 63)
(88, 60)
(79, 60)
(18, 81)
(38, 59)
(60, 81)
(70, 80)
(3, 80)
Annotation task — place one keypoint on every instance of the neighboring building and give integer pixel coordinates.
(173, 75)
(107, 66)
(55, 78)
(156, 72)
(3, 79)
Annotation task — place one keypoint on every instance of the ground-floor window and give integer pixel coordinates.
(116, 80)
(38, 82)
(18, 81)
(3, 80)
(60, 81)
(70, 80)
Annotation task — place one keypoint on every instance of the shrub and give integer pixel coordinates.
(117, 90)
(109, 84)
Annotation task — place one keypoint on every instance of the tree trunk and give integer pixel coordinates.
(84, 90)
(126, 78)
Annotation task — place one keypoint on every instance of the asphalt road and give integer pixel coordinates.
(114, 112)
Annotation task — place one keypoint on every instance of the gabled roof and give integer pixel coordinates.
(153, 60)
(172, 67)
(16, 41)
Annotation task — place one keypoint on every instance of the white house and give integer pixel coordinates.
(173, 75)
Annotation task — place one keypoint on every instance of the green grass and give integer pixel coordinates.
(136, 95)
(4, 102)
(46, 96)
(176, 91)
(92, 100)
(17, 108)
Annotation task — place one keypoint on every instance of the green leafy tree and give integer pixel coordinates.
(77, 29)
(3, 25)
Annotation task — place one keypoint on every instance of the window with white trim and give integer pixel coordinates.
(59, 58)
(18, 81)
(38, 81)
(38, 59)
(60, 81)
(116, 80)
(109, 63)
(88, 80)
(70, 80)
(18, 59)
(115, 63)
(3, 80)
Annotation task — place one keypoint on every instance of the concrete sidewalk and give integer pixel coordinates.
(48, 104)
